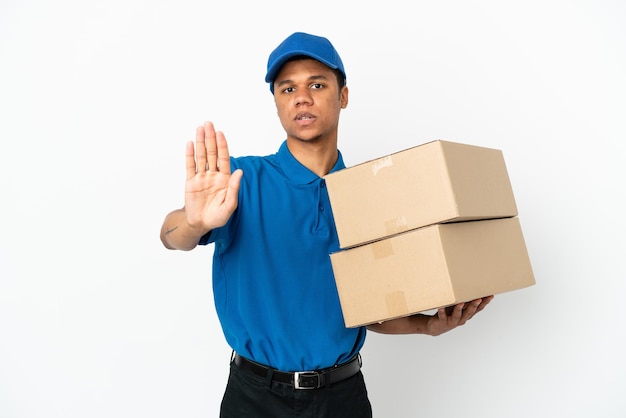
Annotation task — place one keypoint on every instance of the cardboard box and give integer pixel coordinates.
(436, 182)
(430, 267)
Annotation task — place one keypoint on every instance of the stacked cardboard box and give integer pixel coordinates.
(430, 226)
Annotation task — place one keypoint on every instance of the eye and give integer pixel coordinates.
(317, 86)
(289, 90)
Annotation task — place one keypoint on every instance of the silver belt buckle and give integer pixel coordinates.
(296, 379)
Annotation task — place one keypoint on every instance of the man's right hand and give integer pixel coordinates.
(210, 188)
(210, 191)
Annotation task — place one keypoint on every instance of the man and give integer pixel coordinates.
(272, 226)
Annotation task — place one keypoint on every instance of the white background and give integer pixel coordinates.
(97, 100)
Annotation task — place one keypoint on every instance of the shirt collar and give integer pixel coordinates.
(297, 172)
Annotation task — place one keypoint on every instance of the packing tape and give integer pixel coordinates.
(396, 303)
(381, 163)
(396, 225)
(382, 249)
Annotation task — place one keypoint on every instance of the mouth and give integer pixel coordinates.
(304, 117)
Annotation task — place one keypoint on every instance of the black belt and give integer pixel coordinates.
(302, 380)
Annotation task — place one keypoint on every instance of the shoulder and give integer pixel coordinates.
(254, 162)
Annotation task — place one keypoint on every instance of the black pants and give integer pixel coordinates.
(251, 396)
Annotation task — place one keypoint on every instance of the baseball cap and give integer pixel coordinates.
(300, 43)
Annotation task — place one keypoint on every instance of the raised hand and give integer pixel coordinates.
(210, 191)
(210, 188)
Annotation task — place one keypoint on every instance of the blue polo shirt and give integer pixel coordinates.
(273, 284)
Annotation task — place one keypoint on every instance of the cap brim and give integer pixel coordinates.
(280, 61)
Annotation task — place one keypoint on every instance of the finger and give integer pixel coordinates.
(211, 146)
(442, 313)
(471, 309)
(232, 195)
(190, 160)
(457, 312)
(485, 301)
(223, 156)
(235, 180)
(200, 150)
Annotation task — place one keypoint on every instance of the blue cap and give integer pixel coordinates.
(300, 43)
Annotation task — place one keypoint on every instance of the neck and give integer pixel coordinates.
(318, 157)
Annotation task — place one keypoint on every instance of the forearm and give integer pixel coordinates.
(177, 234)
(414, 324)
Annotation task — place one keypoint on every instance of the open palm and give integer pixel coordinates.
(210, 188)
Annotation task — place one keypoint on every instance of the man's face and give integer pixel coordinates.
(308, 100)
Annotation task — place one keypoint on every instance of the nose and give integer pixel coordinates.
(303, 97)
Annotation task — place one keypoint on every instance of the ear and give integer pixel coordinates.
(344, 97)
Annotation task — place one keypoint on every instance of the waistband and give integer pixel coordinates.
(302, 380)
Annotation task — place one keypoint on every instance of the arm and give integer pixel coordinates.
(210, 191)
(177, 233)
(446, 319)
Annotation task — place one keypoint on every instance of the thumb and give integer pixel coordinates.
(232, 192)
(235, 180)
